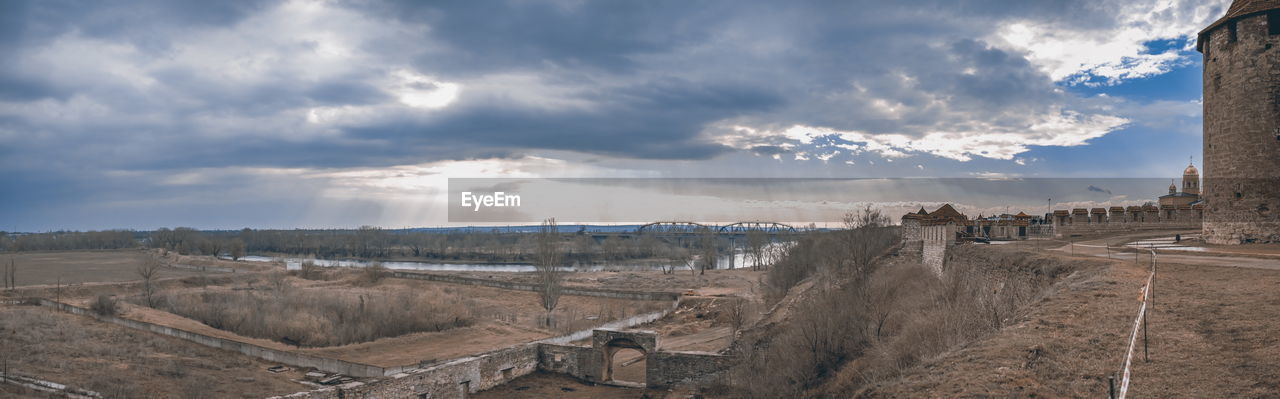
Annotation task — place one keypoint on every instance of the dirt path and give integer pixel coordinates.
(547, 385)
(708, 340)
(1098, 247)
(1212, 334)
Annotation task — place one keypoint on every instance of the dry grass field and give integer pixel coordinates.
(496, 318)
(79, 267)
(737, 282)
(1065, 345)
(119, 362)
(1212, 334)
(339, 313)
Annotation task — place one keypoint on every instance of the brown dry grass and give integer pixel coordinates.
(121, 362)
(547, 385)
(318, 317)
(502, 317)
(857, 333)
(78, 267)
(1063, 345)
(1213, 334)
(715, 282)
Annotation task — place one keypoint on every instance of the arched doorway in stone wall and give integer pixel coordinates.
(625, 362)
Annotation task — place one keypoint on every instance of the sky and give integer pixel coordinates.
(282, 114)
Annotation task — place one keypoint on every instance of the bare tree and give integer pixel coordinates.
(707, 246)
(11, 274)
(676, 256)
(865, 238)
(8, 274)
(756, 241)
(866, 217)
(236, 248)
(547, 265)
(148, 270)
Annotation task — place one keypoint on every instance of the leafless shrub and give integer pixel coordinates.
(889, 319)
(308, 269)
(198, 388)
(318, 318)
(739, 313)
(172, 368)
(373, 273)
(114, 386)
(278, 282)
(105, 305)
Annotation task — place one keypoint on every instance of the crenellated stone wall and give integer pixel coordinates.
(1101, 220)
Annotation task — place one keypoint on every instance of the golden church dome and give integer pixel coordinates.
(1190, 170)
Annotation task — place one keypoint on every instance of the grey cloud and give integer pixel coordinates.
(658, 73)
(657, 79)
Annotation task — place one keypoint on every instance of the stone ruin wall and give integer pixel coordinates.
(461, 377)
(933, 248)
(1242, 133)
(455, 379)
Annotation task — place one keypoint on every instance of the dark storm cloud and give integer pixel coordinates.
(657, 120)
(501, 35)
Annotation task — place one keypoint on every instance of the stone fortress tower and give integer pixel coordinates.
(1241, 187)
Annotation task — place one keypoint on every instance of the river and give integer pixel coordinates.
(739, 260)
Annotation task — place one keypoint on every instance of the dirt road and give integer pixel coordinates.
(1098, 247)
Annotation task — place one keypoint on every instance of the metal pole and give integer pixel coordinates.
(1111, 387)
(1145, 357)
(1155, 273)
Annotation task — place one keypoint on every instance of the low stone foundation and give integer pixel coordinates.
(460, 377)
